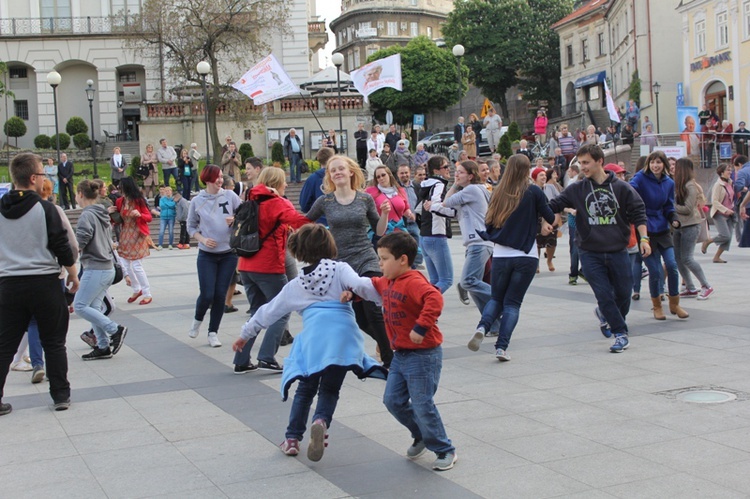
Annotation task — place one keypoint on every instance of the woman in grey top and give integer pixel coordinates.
(117, 166)
(350, 213)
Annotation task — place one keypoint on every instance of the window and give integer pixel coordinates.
(722, 30)
(366, 25)
(746, 19)
(626, 22)
(429, 31)
(341, 37)
(350, 61)
(371, 50)
(126, 6)
(414, 29)
(392, 28)
(700, 37)
(127, 76)
(55, 15)
(17, 72)
(585, 50)
(22, 109)
(602, 48)
(414, 2)
(248, 134)
(569, 54)
(357, 62)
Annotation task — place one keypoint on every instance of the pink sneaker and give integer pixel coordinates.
(290, 446)
(705, 293)
(689, 293)
(318, 440)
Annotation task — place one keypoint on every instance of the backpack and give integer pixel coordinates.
(245, 239)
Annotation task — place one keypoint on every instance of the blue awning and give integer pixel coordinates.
(587, 81)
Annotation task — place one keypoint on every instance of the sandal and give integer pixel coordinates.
(145, 301)
(719, 261)
(135, 296)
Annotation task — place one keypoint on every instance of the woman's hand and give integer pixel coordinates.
(385, 207)
(426, 205)
(547, 228)
(135, 213)
(112, 209)
(410, 215)
(346, 296)
(209, 243)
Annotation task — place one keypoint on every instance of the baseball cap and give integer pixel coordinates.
(614, 168)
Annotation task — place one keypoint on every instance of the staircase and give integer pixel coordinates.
(131, 147)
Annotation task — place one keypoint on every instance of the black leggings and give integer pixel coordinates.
(370, 320)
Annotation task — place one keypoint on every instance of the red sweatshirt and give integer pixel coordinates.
(410, 303)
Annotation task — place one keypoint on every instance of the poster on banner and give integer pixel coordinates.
(687, 120)
(672, 151)
(378, 74)
(4, 189)
(266, 82)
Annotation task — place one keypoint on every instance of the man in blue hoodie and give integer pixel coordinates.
(29, 276)
(605, 209)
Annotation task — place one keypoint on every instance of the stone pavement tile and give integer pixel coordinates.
(305, 484)
(725, 374)
(134, 459)
(456, 413)
(173, 407)
(369, 424)
(595, 392)
(61, 477)
(609, 468)
(651, 383)
(529, 401)
(550, 381)
(35, 452)
(689, 454)
(577, 416)
(103, 438)
(109, 414)
(347, 452)
(200, 426)
(615, 370)
(734, 476)
(642, 406)
(696, 420)
(501, 428)
(153, 386)
(631, 433)
(738, 438)
(480, 457)
(523, 481)
(550, 446)
(29, 425)
(704, 339)
(212, 492)
(666, 364)
(154, 480)
(677, 485)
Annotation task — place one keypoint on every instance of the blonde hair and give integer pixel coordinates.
(357, 178)
(272, 177)
(507, 196)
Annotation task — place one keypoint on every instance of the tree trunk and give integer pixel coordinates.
(504, 107)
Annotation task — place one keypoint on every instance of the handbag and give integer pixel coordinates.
(703, 231)
(118, 273)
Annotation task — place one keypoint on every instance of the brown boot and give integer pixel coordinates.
(658, 311)
(676, 309)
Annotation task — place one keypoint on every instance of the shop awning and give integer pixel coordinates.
(587, 81)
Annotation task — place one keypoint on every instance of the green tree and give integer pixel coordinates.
(228, 34)
(430, 81)
(15, 127)
(634, 92)
(42, 141)
(277, 153)
(246, 151)
(81, 141)
(503, 147)
(64, 141)
(3, 89)
(514, 131)
(75, 126)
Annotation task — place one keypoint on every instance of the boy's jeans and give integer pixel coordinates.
(416, 373)
(166, 223)
(327, 385)
(610, 276)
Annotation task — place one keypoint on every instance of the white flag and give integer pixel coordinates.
(611, 108)
(266, 81)
(378, 74)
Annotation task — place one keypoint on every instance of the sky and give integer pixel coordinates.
(328, 10)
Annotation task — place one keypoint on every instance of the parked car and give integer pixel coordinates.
(438, 143)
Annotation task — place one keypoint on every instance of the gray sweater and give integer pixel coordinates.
(94, 238)
(471, 203)
(208, 216)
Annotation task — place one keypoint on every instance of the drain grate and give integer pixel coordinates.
(705, 394)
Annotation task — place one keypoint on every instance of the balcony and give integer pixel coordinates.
(19, 27)
(317, 35)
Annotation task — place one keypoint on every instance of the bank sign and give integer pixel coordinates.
(707, 62)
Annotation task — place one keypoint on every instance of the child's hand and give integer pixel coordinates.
(415, 337)
(238, 345)
(346, 296)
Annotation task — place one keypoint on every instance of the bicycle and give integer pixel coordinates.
(540, 151)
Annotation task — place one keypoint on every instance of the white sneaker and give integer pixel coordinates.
(502, 355)
(194, 329)
(213, 340)
(22, 366)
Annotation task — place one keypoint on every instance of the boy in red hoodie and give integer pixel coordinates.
(411, 307)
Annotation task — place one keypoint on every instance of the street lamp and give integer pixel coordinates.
(338, 60)
(90, 91)
(203, 69)
(458, 53)
(53, 80)
(656, 88)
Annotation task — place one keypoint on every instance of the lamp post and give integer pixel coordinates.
(338, 60)
(458, 53)
(203, 69)
(656, 88)
(53, 80)
(90, 91)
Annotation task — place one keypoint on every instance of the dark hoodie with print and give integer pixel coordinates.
(604, 212)
(33, 239)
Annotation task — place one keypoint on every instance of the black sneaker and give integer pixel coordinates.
(116, 340)
(89, 338)
(270, 366)
(245, 369)
(228, 309)
(63, 405)
(5, 409)
(286, 338)
(97, 353)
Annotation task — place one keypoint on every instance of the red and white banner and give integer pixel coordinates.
(266, 82)
(378, 74)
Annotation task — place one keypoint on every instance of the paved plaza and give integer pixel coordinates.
(167, 417)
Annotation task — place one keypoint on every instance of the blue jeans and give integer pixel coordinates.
(636, 263)
(656, 272)
(511, 278)
(166, 223)
(327, 385)
(611, 278)
(473, 274)
(413, 229)
(88, 303)
(261, 289)
(215, 272)
(574, 260)
(35, 345)
(295, 167)
(412, 382)
(170, 172)
(437, 259)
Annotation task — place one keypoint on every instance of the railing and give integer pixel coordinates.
(196, 108)
(316, 27)
(69, 25)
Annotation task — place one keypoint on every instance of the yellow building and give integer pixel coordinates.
(716, 68)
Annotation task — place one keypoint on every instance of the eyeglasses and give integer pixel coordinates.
(381, 175)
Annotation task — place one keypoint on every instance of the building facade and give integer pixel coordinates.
(366, 26)
(716, 44)
(82, 40)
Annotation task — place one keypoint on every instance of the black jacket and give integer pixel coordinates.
(360, 136)
(288, 145)
(458, 132)
(392, 140)
(65, 170)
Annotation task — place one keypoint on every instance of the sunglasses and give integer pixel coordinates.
(381, 175)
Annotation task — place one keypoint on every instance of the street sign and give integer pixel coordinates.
(485, 108)
(418, 121)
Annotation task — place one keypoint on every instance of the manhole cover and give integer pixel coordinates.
(706, 396)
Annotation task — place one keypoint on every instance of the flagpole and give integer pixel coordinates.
(313, 113)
